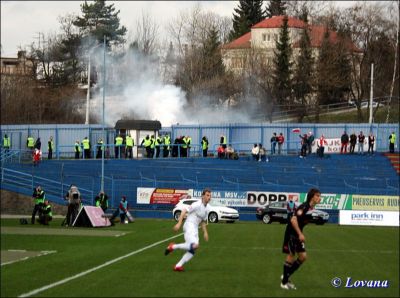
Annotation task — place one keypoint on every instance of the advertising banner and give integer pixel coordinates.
(376, 203)
(335, 144)
(160, 195)
(261, 199)
(369, 218)
(331, 201)
(224, 198)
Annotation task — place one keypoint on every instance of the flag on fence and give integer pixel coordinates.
(296, 130)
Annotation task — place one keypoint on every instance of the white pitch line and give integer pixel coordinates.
(34, 292)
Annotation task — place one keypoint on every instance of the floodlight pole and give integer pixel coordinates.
(371, 95)
(88, 93)
(104, 95)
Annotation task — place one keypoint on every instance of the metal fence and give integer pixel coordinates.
(243, 135)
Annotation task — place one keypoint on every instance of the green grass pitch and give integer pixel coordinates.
(243, 259)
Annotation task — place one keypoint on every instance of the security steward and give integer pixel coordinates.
(166, 148)
(77, 148)
(118, 144)
(46, 215)
(86, 147)
(39, 197)
(30, 143)
(147, 143)
(100, 148)
(129, 146)
(6, 143)
(152, 146)
(157, 144)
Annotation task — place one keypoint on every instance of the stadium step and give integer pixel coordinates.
(394, 160)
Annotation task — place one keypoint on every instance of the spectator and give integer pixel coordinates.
(39, 197)
(50, 147)
(221, 152)
(361, 139)
(229, 152)
(101, 200)
(46, 215)
(310, 140)
(353, 141)
(255, 152)
(38, 144)
(204, 145)
(273, 143)
(321, 146)
(123, 209)
(74, 201)
(86, 148)
(262, 153)
(304, 145)
(6, 143)
(280, 140)
(371, 142)
(36, 156)
(290, 208)
(392, 141)
(77, 148)
(344, 139)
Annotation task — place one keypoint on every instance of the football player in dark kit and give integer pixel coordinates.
(294, 238)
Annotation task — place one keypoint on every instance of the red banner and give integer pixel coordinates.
(160, 195)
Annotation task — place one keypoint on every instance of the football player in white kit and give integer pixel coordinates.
(196, 214)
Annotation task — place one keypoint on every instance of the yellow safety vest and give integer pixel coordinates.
(86, 144)
(31, 142)
(6, 142)
(129, 141)
(118, 141)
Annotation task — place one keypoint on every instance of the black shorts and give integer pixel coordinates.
(292, 244)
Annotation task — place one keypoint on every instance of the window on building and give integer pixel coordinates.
(269, 37)
(264, 37)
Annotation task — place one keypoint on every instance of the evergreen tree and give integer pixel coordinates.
(303, 76)
(100, 19)
(212, 65)
(282, 66)
(248, 13)
(275, 8)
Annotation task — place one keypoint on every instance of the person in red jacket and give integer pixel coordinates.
(280, 140)
(36, 156)
(321, 146)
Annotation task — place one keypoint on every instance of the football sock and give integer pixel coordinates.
(294, 267)
(286, 272)
(183, 246)
(186, 258)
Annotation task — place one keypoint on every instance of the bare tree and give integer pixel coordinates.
(147, 34)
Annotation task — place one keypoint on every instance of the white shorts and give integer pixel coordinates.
(191, 233)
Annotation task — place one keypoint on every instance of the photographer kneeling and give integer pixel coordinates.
(45, 215)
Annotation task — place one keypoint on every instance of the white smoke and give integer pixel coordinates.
(134, 90)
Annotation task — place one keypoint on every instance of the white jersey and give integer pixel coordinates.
(197, 213)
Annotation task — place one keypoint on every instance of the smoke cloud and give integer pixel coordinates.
(135, 90)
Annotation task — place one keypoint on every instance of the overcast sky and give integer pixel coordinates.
(21, 21)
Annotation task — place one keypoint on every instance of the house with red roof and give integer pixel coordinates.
(262, 40)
